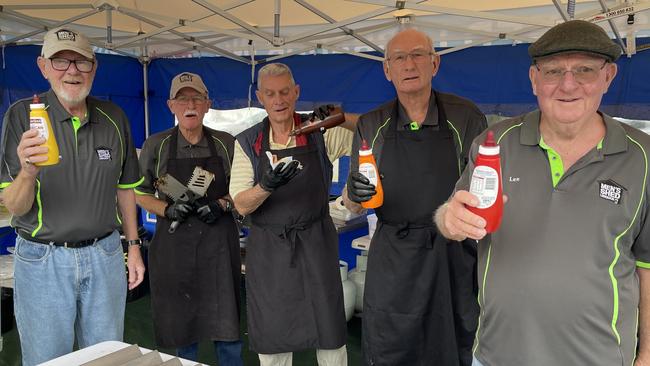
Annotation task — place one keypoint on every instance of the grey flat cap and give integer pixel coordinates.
(575, 36)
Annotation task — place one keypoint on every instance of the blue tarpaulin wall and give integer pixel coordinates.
(494, 77)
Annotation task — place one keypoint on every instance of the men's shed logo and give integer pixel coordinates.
(103, 153)
(65, 35)
(185, 78)
(611, 191)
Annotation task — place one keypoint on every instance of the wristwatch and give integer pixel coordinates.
(228, 206)
(137, 242)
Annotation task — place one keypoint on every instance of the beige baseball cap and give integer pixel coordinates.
(187, 80)
(63, 39)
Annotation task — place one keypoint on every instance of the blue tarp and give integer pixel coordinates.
(494, 77)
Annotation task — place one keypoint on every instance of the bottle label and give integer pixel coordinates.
(369, 171)
(485, 185)
(38, 123)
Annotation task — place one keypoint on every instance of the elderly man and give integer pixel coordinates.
(565, 280)
(69, 265)
(293, 287)
(194, 271)
(419, 307)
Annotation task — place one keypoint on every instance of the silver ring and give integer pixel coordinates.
(27, 161)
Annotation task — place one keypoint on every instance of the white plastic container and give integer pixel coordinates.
(372, 225)
(349, 291)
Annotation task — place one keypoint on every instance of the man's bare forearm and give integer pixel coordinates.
(151, 204)
(126, 204)
(18, 197)
(249, 200)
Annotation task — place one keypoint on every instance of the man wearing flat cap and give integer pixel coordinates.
(195, 269)
(69, 265)
(566, 279)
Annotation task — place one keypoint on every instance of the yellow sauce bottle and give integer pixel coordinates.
(39, 120)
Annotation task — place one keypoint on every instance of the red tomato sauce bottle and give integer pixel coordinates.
(486, 184)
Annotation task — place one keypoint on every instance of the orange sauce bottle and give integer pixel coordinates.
(368, 167)
(39, 120)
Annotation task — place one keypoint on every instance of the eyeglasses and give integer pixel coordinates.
(418, 57)
(63, 64)
(185, 100)
(583, 74)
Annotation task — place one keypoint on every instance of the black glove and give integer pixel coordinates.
(321, 112)
(208, 211)
(274, 178)
(359, 188)
(178, 211)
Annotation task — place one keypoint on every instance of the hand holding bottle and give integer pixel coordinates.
(30, 151)
(359, 188)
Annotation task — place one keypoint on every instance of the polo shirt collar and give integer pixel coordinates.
(615, 139)
(183, 143)
(430, 120)
(58, 113)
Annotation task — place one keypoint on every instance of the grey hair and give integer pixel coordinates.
(388, 44)
(274, 69)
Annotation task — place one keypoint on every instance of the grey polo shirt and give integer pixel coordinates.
(557, 281)
(155, 152)
(75, 199)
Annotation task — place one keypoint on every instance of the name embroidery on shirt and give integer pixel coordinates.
(611, 191)
(103, 153)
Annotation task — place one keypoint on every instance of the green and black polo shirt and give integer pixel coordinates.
(75, 199)
(557, 281)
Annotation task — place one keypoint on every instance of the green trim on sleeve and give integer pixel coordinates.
(40, 208)
(119, 133)
(372, 146)
(481, 298)
(162, 143)
(617, 252)
(131, 185)
(645, 265)
(140, 193)
(4, 185)
(224, 149)
(460, 145)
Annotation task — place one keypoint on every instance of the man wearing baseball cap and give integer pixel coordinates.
(69, 266)
(194, 271)
(566, 279)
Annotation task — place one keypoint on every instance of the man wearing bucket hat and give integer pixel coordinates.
(194, 271)
(565, 280)
(69, 265)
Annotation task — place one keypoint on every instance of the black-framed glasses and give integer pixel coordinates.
(583, 74)
(418, 57)
(63, 64)
(185, 99)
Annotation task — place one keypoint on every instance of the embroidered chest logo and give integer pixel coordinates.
(611, 191)
(104, 153)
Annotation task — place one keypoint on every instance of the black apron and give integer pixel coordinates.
(195, 272)
(408, 312)
(293, 285)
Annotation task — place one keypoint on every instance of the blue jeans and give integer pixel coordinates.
(228, 353)
(60, 293)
